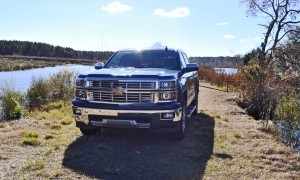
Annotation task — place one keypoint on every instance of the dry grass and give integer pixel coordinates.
(35, 165)
(30, 143)
(242, 149)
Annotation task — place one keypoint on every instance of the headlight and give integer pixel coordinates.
(167, 96)
(167, 84)
(80, 82)
(80, 93)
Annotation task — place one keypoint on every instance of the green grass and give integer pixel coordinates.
(30, 134)
(49, 136)
(31, 141)
(47, 123)
(55, 126)
(10, 102)
(66, 121)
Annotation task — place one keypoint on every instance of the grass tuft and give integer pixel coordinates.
(237, 135)
(66, 121)
(35, 165)
(48, 152)
(30, 134)
(1, 125)
(55, 145)
(55, 126)
(47, 123)
(31, 141)
(49, 136)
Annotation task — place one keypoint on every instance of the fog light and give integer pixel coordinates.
(167, 115)
(77, 111)
(167, 96)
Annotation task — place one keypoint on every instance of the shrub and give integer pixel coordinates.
(258, 91)
(62, 85)
(221, 79)
(287, 116)
(10, 103)
(37, 94)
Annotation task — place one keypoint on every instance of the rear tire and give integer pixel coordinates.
(182, 125)
(89, 132)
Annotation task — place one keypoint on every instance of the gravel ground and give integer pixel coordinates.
(222, 142)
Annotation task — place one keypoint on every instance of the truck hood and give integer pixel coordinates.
(134, 73)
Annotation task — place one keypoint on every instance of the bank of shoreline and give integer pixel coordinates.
(242, 149)
(15, 63)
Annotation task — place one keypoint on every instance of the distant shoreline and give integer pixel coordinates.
(17, 62)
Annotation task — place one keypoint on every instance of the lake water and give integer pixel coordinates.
(226, 70)
(21, 79)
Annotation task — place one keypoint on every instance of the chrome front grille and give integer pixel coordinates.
(121, 91)
(125, 85)
(122, 98)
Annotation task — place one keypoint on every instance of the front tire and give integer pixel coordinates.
(182, 125)
(89, 132)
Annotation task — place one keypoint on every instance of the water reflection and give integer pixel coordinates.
(21, 79)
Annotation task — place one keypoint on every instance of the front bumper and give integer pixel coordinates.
(151, 119)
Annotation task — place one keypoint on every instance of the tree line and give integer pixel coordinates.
(27, 48)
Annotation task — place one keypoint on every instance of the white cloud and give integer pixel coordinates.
(116, 7)
(222, 24)
(174, 13)
(251, 39)
(228, 36)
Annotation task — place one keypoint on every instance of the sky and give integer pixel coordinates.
(200, 28)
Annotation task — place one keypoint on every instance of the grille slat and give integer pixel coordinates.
(103, 94)
(125, 85)
(126, 97)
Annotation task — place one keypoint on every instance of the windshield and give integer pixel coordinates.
(144, 59)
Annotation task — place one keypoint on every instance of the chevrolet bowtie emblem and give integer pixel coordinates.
(118, 91)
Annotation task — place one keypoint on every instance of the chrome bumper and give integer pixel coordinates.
(117, 120)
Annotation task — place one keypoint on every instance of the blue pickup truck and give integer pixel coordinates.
(155, 88)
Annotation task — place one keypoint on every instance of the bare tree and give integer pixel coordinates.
(288, 55)
(282, 17)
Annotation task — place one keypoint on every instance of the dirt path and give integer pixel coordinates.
(222, 142)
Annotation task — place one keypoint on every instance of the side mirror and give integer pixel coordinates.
(99, 65)
(191, 67)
